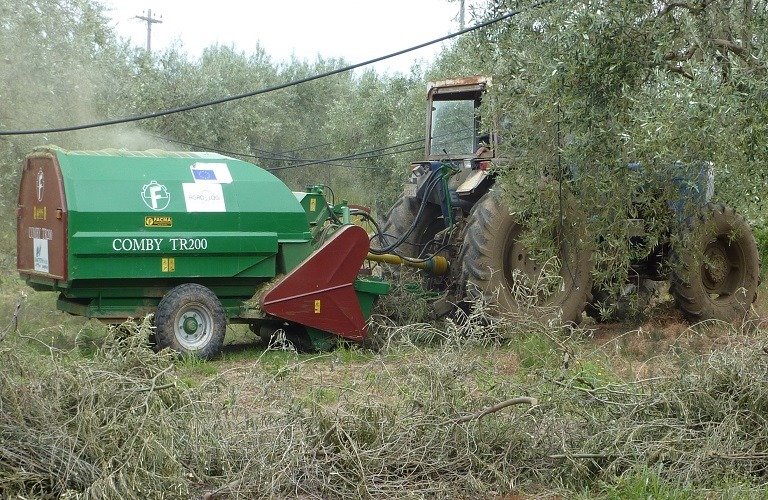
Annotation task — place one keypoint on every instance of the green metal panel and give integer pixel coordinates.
(314, 205)
(159, 214)
(368, 290)
(292, 254)
(147, 255)
(109, 308)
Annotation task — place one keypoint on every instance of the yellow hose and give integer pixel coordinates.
(435, 265)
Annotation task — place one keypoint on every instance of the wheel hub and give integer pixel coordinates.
(193, 327)
(190, 325)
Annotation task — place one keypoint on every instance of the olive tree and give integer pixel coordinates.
(629, 105)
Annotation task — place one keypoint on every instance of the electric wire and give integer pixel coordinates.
(222, 100)
(235, 153)
(363, 155)
(356, 156)
(366, 155)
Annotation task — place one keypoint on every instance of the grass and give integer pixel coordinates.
(352, 423)
(661, 410)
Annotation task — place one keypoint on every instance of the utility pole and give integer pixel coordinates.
(150, 21)
(461, 15)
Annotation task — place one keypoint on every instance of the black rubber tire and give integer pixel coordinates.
(491, 253)
(201, 310)
(716, 267)
(399, 219)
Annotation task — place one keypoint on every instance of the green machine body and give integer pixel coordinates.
(115, 232)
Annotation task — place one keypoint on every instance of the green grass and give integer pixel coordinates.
(649, 485)
(644, 485)
(536, 352)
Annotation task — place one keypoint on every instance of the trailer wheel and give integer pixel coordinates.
(493, 259)
(401, 217)
(190, 320)
(716, 267)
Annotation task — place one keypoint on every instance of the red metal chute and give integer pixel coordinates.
(320, 292)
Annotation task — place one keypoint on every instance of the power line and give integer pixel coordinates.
(357, 156)
(229, 152)
(363, 155)
(306, 162)
(273, 88)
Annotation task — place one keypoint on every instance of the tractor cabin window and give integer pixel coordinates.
(454, 127)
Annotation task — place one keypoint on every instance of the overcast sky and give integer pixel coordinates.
(356, 30)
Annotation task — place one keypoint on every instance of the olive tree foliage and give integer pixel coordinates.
(57, 58)
(63, 65)
(385, 116)
(628, 104)
(293, 130)
(42, 62)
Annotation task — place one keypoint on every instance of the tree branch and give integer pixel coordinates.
(682, 5)
(676, 68)
(685, 5)
(684, 56)
(14, 326)
(497, 407)
(729, 45)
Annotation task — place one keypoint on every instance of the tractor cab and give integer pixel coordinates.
(453, 121)
(458, 150)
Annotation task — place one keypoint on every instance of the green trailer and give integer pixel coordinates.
(198, 239)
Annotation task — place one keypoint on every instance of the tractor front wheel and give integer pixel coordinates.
(716, 267)
(190, 320)
(497, 266)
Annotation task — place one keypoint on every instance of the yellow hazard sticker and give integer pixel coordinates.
(168, 264)
(39, 213)
(155, 221)
(317, 306)
(312, 204)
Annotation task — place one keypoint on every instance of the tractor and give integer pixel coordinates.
(450, 210)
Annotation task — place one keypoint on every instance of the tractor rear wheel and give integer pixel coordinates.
(716, 267)
(497, 266)
(400, 218)
(190, 320)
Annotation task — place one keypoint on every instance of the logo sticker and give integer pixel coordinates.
(39, 213)
(157, 221)
(204, 197)
(40, 184)
(155, 196)
(41, 255)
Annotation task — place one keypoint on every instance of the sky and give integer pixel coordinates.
(357, 30)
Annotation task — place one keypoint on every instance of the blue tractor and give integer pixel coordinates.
(451, 208)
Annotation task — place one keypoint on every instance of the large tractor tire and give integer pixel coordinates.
(716, 267)
(190, 320)
(493, 259)
(399, 220)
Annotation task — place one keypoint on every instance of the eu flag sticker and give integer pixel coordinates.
(211, 173)
(204, 175)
